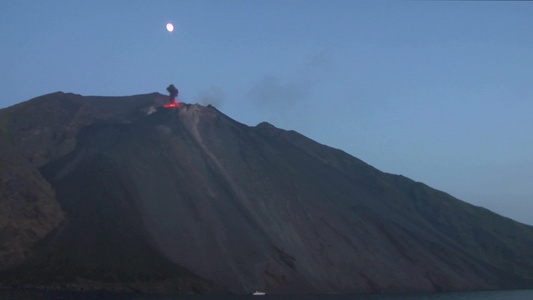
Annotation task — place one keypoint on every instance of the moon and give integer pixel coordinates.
(170, 27)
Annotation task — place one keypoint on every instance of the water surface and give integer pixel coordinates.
(56, 295)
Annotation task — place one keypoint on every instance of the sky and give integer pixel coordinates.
(437, 91)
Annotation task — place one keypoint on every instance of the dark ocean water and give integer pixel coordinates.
(485, 295)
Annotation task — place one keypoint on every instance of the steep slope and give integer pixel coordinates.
(196, 200)
(40, 131)
(478, 231)
(32, 134)
(28, 208)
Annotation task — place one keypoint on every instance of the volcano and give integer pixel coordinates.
(123, 194)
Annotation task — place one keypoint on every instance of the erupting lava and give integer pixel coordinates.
(172, 97)
(173, 104)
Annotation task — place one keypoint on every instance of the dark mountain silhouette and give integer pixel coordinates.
(120, 193)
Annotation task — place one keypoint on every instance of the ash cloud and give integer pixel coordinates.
(213, 96)
(274, 93)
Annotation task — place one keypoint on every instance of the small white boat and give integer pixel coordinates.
(258, 293)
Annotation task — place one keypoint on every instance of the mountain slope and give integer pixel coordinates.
(195, 199)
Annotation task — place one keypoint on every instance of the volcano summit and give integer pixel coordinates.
(122, 194)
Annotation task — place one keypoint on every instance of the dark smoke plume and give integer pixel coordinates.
(173, 93)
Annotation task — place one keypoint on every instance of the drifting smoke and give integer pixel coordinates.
(150, 110)
(272, 92)
(277, 94)
(282, 99)
(213, 96)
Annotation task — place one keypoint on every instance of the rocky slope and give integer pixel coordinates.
(121, 193)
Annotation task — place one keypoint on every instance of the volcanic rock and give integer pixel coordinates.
(120, 193)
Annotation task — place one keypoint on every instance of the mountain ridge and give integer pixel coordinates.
(201, 202)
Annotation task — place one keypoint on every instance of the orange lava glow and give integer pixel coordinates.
(174, 104)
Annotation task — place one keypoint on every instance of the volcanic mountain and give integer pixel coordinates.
(120, 193)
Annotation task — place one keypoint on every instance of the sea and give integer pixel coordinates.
(57, 295)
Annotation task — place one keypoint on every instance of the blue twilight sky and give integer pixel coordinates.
(438, 91)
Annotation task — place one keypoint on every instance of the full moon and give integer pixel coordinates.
(170, 27)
